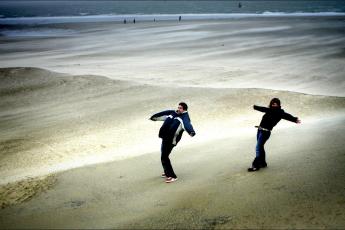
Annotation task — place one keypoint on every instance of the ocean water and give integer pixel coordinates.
(15, 14)
(25, 8)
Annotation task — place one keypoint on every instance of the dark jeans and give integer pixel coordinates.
(260, 159)
(166, 149)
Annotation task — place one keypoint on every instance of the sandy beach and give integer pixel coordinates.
(307, 51)
(77, 148)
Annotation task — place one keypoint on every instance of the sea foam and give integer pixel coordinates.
(157, 17)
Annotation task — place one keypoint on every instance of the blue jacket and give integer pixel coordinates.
(174, 125)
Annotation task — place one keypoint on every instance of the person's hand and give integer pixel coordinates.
(192, 134)
(298, 121)
(152, 118)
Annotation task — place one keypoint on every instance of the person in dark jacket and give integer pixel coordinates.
(175, 123)
(272, 116)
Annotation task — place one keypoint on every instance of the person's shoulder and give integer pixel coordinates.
(172, 113)
(281, 112)
(185, 113)
(185, 116)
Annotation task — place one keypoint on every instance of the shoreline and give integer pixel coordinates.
(160, 17)
(302, 55)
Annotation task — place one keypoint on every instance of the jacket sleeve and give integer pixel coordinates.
(260, 108)
(289, 117)
(161, 116)
(188, 126)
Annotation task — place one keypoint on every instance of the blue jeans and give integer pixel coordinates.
(260, 159)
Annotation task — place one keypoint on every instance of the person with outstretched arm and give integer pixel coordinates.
(273, 114)
(175, 123)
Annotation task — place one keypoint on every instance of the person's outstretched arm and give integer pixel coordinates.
(260, 108)
(161, 116)
(291, 118)
(188, 126)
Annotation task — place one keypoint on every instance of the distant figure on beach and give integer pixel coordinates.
(239, 5)
(272, 116)
(124, 21)
(154, 20)
(134, 20)
(175, 122)
(179, 18)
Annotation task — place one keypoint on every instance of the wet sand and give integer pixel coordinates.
(301, 54)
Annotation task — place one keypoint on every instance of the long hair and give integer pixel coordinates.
(275, 100)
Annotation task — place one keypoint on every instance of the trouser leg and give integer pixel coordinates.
(165, 152)
(260, 159)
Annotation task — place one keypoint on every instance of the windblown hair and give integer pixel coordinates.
(275, 100)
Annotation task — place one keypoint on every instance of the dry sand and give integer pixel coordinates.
(52, 122)
(303, 187)
(58, 113)
(20, 191)
(65, 125)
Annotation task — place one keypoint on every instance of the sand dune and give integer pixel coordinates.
(303, 187)
(52, 122)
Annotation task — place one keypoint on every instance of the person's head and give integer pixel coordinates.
(275, 103)
(182, 107)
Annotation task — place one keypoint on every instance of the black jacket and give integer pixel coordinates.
(273, 116)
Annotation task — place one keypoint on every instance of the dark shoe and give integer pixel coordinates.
(264, 165)
(253, 169)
